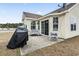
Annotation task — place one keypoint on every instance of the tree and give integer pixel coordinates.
(10, 25)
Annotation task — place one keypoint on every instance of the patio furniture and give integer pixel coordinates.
(35, 33)
(53, 36)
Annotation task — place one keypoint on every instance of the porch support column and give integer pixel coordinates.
(50, 25)
(36, 25)
(40, 27)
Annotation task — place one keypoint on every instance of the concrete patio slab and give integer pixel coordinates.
(37, 42)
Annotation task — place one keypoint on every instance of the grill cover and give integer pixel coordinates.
(19, 38)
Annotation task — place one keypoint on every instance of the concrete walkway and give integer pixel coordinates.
(37, 42)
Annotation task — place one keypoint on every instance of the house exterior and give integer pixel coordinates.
(63, 21)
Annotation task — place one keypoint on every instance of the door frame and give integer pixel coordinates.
(44, 28)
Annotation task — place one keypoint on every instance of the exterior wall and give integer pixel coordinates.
(36, 25)
(50, 25)
(72, 17)
(28, 23)
(61, 25)
(40, 27)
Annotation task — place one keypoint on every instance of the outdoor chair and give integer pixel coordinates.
(35, 33)
(53, 36)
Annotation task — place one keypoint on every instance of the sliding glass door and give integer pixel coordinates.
(45, 27)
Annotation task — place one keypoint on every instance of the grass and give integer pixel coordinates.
(18, 52)
(69, 47)
(4, 39)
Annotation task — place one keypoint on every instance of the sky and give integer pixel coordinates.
(12, 12)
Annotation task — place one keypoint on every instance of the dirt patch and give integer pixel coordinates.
(69, 47)
(4, 38)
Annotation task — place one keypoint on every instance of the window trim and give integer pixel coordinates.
(38, 25)
(55, 23)
(73, 27)
(33, 25)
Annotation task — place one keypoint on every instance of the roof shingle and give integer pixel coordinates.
(62, 9)
(36, 16)
(31, 15)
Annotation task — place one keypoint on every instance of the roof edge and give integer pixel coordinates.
(73, 7)
(32, 13)
(54, 14)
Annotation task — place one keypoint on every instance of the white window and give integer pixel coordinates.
(33, 25)
(73, 27)
(73, 22)
(55, 23)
